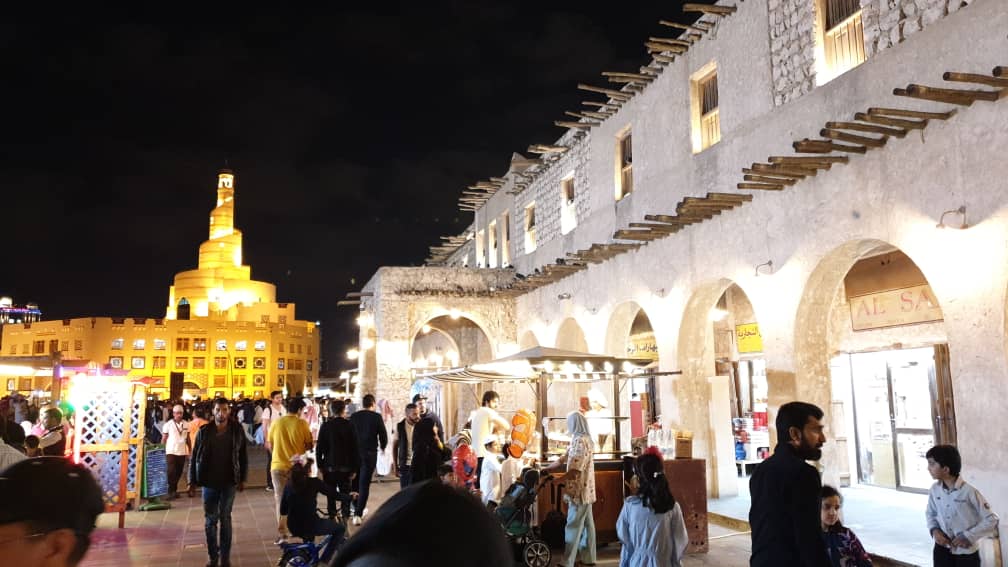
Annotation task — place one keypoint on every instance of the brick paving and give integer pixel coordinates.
(174, 538)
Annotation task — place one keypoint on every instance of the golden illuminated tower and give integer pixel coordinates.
(220, 286)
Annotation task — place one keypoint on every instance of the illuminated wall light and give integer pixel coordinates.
(367, 344)
(353, 354)
(425, 329)
(454, 313)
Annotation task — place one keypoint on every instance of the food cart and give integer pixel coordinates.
(542, 368)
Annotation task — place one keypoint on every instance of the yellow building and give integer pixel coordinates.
(223, 333)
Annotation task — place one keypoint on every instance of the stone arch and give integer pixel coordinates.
(425, 346)
(528, 340)
(473, 345)
(702, 394)
(618, 329)
(570, 336)
(815, 329)
(425, 317)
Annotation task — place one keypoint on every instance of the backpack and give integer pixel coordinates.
(248, 413)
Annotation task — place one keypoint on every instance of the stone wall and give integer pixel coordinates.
(792, 48)
(794, 35)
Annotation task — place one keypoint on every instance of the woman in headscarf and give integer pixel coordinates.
(579, 492)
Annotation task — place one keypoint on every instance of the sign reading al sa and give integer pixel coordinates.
(748, 338)
(896, 307)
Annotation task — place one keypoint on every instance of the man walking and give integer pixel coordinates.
(52, 442)
(784, 515)
(402, 446)
(371, 435)
(288, 436)
(338, 456)
(220, 466)
(273, 412)
(176, 441)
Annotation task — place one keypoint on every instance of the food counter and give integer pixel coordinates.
(687, 480)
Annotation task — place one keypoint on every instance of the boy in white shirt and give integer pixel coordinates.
(490, 475)
(958, 516)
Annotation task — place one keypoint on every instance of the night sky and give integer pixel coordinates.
(351, 133)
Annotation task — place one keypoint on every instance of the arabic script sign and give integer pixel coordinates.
(642, 345)
(896, 307)
(748, 338)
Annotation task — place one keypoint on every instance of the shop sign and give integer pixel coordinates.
(748, 338)
(906, 306)
(642, 345)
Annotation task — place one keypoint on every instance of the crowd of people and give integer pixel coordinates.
(323, 447)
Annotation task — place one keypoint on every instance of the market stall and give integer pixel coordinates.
(544, 369)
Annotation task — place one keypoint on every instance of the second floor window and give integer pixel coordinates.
(624, 165)
(505, 240)
(842, 35)
(706, 113)
(530, 228)
(480, 253)
(568, 213)
(181, 344)
(492, 245)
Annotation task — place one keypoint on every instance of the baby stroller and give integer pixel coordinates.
(515, 515)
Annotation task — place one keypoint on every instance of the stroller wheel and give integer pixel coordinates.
(536, 554)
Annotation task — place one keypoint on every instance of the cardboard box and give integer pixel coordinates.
(684, 448)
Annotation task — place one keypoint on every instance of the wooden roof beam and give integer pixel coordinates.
(760, 186)
(903, 113)
(997, 82)
(854, 138)
(575, 125)
(894, 122)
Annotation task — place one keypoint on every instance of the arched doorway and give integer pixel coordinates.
(630, 334)
(448, 342)
(722, 393)
(872, 351)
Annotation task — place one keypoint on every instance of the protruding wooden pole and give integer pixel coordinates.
(770, 180)
(858, 127)
(679, 26)
(997, 82)
(854, 138)
(611, 93)
(887, 121)
(709, 9)
(761, 186)
(881, 111)
(812, 161)
(575, 125)
(678, 42)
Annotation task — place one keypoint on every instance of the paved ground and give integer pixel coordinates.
(889, 523)
(175, 537)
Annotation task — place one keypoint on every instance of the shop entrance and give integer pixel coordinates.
(899, 405)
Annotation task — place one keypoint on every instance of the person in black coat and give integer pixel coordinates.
(371, 436)
(338, 456)
(785, 494)
(428, 451)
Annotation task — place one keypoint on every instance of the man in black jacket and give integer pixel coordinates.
(338, 456)
(425, 413)
(785, 494)
(402, 447)
(371, 436)
(220, 465)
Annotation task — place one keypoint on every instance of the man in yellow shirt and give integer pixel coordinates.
(288, 436)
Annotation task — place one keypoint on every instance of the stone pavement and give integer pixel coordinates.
(175, 537)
